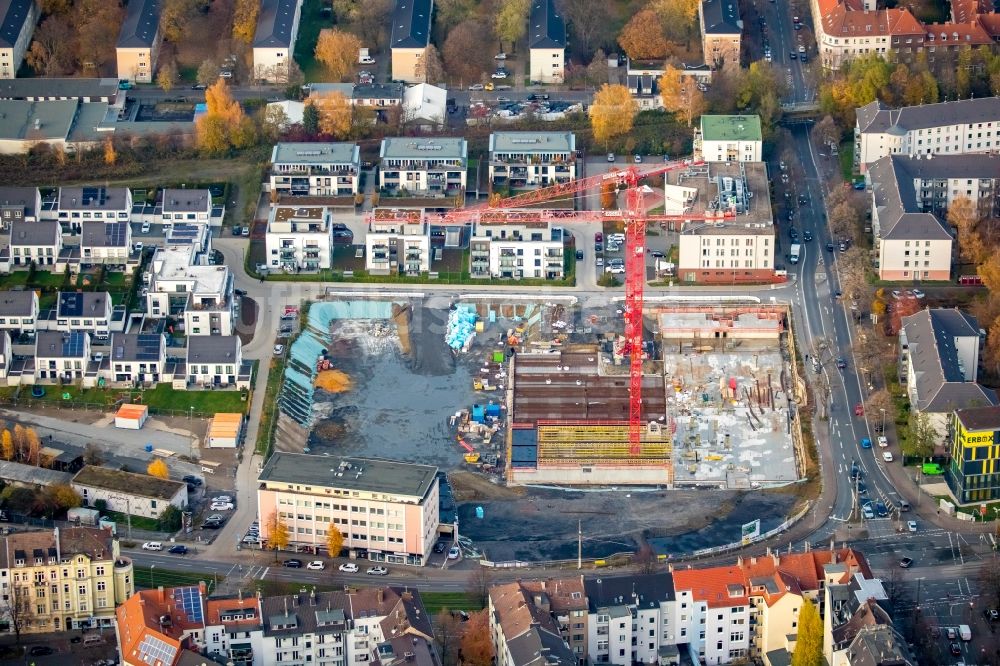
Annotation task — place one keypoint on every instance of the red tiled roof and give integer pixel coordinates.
(990, 24)
(215, 607)
(963, 11)
(712, 585)
(946, 34)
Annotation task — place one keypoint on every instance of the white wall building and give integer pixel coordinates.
(88, 311)
(729, 139)
(215, 361)
(18, 310)
(200, 295)
(39, 242)
(274, 41)
(525, 160)
(315, 169)
(137, 358)
(105, 242)
(423, 167)
(397, 246)
(546, 42)
(299, 238)
(516, 251)
(948, 128)
(129, 493)
(187, 206)
(61, 356)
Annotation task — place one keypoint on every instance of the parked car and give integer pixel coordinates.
(349, 567)
(192, 479)
(611, 157)
(222, 506)
(377, 571)
(906, 562)
(439, 547)
(315, 565)
(145, 227)
(887, 456)
(955, 649)
(178, 550)
(292, 564)
(211, 524)
(152, 545)
(454, 553)
(867, 512)
(637, 159)
(918, 294)
(279, 350)
(40, 651)
(237, 230)
(579, 255)
(476, 86)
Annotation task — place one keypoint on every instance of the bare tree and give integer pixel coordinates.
(645, 559)
(480, 581)
(448, 635)
(17, 609)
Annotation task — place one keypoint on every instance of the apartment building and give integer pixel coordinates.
(299, 238)
(643, 80)
(385, 508)
(513, 251)
(523, 629)
(215, 361)
(910, 200)
(274, 40)
(397, 247)
(18, 203)
(948, 128)
(721, 29)
(88, 311)
(315, 169)
(731, 241)
(432, 167)
(714, 613)
(728, 139)
(6, 358)
(17, 25)
(633, 619)
(62, 579)
(858, 628)
(846, 29)
(35, 242)
(186, 206)
(235, 627)
(18, 310)
(129, 493)
(165, 627)
(200, 295)
(409, 38)
(939, 363)
(139, 41)
(61, 356)
(137, 358)
(76, 205)
(526, 160)
(546, 42)
(973, 473)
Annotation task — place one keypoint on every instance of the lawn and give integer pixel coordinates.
(163, 398)
(846, 155)
(311, 23)
(435, 601)
(40, 280)
(148, 578)
(276, 372)
(138, 522)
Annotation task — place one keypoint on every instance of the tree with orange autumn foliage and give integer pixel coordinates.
(642, 37)
(477, 647)
(335, 114)
(337, 50)
(223, 125)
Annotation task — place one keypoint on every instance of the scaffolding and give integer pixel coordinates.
(603, 444)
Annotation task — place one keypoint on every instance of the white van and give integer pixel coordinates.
(92, 639)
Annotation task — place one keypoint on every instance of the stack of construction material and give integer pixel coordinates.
(461, 328)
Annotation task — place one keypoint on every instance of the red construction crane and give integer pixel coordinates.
(511, 210)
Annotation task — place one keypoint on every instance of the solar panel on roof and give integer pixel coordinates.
(148, 347)
(189, 600)
(72, 345)
(154, 650)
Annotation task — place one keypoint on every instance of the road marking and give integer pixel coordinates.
(264, 574)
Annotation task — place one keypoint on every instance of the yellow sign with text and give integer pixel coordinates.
(976, 438)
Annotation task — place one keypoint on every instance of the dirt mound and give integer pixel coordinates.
(469, 487)
(333, 381)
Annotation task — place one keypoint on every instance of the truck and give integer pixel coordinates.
(364, 58)
(964, 632)
(794, 253)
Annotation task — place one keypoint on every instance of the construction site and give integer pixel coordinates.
(715, 406)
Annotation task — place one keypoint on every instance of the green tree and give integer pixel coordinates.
(809, 641)
(920, 436)
(170, 519)
(310, 120)
(512, 19)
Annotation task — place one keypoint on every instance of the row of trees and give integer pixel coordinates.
(663, 28)
(75, 36)
(279, 536)
(21, 445)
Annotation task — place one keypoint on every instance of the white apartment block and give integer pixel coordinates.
(274, 41)
(524, 160)
(19, 203)
(546, 42)
(397, 247)
(388, 509)
(200, 295)
(214, 361)
(299, 238)
(35, 242)
(948, 128)
(517, 251)
(17, 25)
(76, 205)
(128, 492)
(434, 167)
(315, 169)
(633, 619)
(139, 41)
(728, 139)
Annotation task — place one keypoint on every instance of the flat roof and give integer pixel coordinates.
(286, 213)
(532, 142)
(315, 153)
(142, 485)
(177, 200)
(94, 198)
(69, 88)
(739, 186)
(367, 474)
(436, 148)
(21, 119)
(731, 128)
(175, 265)
(141, 23)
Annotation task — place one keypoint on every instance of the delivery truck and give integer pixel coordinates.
(794, 253)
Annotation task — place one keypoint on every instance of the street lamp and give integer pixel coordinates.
(151, 567)
(191, 413)
(883, 422)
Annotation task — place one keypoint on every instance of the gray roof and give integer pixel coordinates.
(19, 197)
(82, 303)
(532, 142)
(722, 17)
(377, 91)
(940, 382)
(274, 23)
(129, 347)
(303, 613)
(56, 344)
(212, 349)
(104, 234)
(186, 201)
(879, 645)
(540, 647)
(93, 198)
(315, 153)
(779, 657)
(20, 119)
(546, 27)
(979, 418)
(436, 148)
(55, 89)
(13, 14)
(411, 24)
(367, 474)
(319, 89)
(644, 591)
(38, 233)
(142, 21)
(14, 472)
(896, 201)
(17, 303)
(875, 117)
